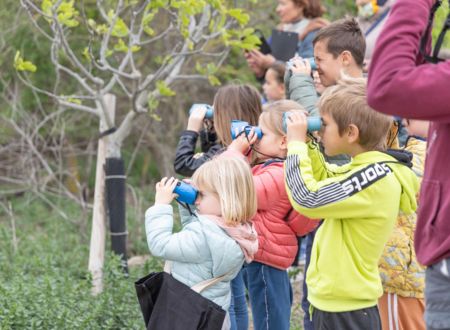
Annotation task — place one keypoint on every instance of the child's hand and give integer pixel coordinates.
(297, 127)
(242, 143)
(164, 190)
(300, 66)
(195, 122)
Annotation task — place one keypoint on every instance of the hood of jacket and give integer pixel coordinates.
(244, 234)
(401, 165)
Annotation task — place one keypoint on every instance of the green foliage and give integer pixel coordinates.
(439, 21)
(120, 28)
(339, 8)
(21, 65)
(45, 284)
(163, 89)
(209, 71)
(66, 13)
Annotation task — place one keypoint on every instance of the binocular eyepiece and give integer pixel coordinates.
(186, 193)
(209, 109)
(312, 63)
(314, 123)
(238, 126)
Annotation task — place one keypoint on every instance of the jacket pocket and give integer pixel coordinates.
(428, 236)
(429, 203)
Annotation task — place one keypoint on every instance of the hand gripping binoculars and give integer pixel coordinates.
(209, 109)
(238, 126)
(314, 123)
(312, 63)
(186, 193)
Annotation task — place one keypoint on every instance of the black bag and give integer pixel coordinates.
(166, 303)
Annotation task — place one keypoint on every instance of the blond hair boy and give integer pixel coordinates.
(359, 203)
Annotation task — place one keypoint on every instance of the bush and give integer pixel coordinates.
(45, 283)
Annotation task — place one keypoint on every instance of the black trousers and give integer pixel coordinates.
(361, 319)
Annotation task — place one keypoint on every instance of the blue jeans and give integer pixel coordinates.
(238, 307)
(437, 297)
(270, 295)
(307, 323)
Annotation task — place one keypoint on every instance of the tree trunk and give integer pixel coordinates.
(98, 234)
(162, 154)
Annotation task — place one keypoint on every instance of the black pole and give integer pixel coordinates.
(115, 206)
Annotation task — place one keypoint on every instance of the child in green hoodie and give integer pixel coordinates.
(358, 201)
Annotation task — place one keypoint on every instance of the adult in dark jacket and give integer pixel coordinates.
(401, 83)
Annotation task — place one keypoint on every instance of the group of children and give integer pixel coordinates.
(256, 195)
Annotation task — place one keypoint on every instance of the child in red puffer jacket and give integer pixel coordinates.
(276, 223)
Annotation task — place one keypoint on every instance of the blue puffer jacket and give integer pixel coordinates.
(200, 251)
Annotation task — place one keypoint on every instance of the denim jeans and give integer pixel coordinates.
(238, 307)
(307, 323)
(437, 295)
(270, 295)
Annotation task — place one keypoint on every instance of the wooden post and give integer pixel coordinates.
(98, 234)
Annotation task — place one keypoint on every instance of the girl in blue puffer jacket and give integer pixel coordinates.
(217, 238)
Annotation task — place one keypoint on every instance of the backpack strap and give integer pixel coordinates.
(199, 287)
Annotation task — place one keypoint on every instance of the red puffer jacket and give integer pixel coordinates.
(276, 223)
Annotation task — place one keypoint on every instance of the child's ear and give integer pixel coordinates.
(346, 58)
(352, 133)
(284, 143)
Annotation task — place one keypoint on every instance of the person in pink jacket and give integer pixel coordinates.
(405, 81)
(276, 223)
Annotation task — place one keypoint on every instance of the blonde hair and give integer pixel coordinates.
(231, 179)
(241, 102)
(346, 103)
(272, 115)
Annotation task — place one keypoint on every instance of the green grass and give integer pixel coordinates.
(44, 282)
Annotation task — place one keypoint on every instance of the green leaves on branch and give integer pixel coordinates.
(71, 99)
(209, 72)
(21, 65)
(249, 40)
(120, 29)
(147, 20)
(163, 89)
(153, 104)
(66, 13)
(243, 39)
(241, 17)
(121, 47)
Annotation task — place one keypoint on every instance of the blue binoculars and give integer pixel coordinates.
(238, 126)
(311, 61)
(186, 193)
(314, 123)
(209, 109)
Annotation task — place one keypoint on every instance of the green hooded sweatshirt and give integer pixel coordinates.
(359, 203)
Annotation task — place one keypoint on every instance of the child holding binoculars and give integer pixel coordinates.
(276, 223)
(359, 203)
(230, 102)
(217, 238)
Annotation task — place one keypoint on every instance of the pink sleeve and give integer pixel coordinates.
(397, 85)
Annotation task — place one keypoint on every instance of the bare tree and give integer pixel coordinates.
(129, 54)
